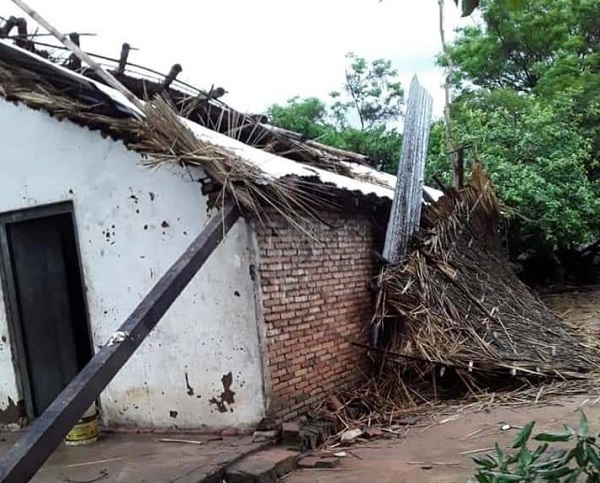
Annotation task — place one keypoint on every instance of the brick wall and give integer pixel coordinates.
(315, 302)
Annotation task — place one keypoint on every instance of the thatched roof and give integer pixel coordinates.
(235, 149)
(454, 305)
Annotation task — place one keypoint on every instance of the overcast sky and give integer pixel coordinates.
(261, 51)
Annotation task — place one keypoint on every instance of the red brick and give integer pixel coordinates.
(315, 299)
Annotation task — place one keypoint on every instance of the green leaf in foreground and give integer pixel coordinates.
(523, 435)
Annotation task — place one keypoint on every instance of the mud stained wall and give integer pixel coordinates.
(315, 302)
(201, 367)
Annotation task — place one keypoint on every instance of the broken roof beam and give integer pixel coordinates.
(30, 452)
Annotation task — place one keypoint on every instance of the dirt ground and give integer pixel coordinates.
(441, 453)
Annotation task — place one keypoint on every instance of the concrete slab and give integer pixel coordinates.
(143, 458)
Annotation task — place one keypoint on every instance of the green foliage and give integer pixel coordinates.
(306, 116)
(525, 48)
(580, 462)
(469, 6)
(528, 85)
(356, 119)
(538, 162)
(371, 91)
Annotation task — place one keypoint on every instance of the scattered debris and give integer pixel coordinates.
(263, 466)
(372, 432)
(409, 420)
(340, 454)
(348, 437)
(334, 404)
(473, 335)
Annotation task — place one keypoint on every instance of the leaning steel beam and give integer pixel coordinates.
(43, 436)
(406, 208)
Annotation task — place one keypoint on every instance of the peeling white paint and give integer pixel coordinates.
(132, 224)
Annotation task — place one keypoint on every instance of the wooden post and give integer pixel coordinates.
(460, 168)
(30, 452)
(125, 49)
(405, 215)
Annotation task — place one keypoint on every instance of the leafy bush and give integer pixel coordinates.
(521, 464)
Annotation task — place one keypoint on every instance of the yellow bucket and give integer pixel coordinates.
(86, 429)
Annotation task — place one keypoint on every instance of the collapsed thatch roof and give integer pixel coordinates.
(455, 303)
(237, 148)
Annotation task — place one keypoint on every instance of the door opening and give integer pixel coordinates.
(47, 305)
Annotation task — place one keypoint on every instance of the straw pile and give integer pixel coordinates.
(455, 316)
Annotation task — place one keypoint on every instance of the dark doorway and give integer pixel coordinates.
(47, 305)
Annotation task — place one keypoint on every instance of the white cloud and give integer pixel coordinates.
(261, 51)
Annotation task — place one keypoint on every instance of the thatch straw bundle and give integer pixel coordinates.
(25, 86)
(454, 307)
(163, 136)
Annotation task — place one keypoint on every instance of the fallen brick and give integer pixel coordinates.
(372, 433)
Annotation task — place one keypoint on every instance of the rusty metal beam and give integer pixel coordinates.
(43, 436)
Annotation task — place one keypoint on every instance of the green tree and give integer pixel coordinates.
(306, 116)
(528, 102)
(371, 92)
(359, 118)
(527, 48)
(537, 160)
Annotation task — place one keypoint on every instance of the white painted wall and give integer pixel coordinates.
(211, 329)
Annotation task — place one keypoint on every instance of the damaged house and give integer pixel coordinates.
(90, 220)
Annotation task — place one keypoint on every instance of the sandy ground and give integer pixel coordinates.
(442, 452)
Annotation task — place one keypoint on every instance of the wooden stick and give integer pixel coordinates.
(77, 465)
(183, 441)
(473, 451)
(69, 44)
